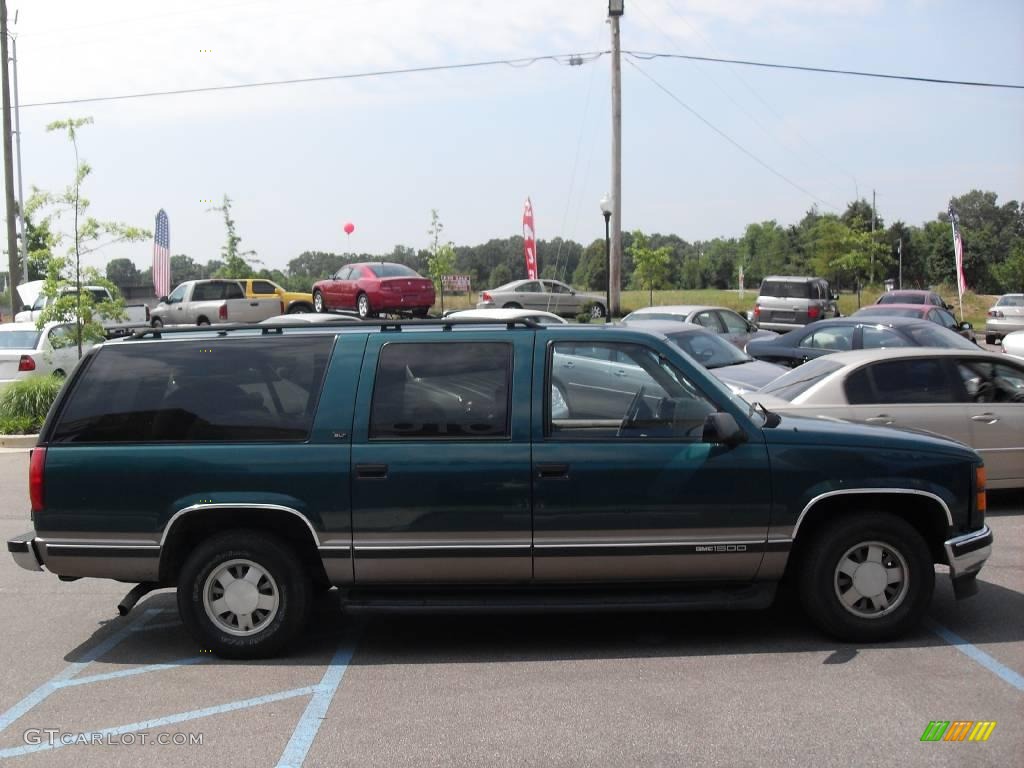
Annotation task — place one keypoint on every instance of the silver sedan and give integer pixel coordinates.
(974, 397)
(547, 295)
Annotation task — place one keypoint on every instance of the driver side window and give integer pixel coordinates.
(176, 295)
(620, 391)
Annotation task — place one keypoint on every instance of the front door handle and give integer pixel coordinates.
(880, 419)
(552, 470)
(372, 471)
(987, 418)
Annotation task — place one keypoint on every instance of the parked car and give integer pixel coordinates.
(135, 314)
(787, 302)
(738, 330)
(375, 288)
(310, 318)
(1013, 344)
(27, 351)
(207, 302)
(733, 367)
(1006, 316)
(537, 315)
(900, 296)
(429, 457)
(921, 311)
(294, 302)
(548, 295)
(843, 334)
(975, 397)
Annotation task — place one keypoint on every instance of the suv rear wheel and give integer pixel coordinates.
(243, 595)
(866, 578)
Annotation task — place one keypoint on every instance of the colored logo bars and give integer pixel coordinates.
(958, 730)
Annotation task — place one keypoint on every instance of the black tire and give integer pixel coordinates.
(421, 312)
(363, 308)
(202, 321)
(511, 305)
(299, 309)
(318, 302)
(870, 619)
(991, 338)
(59, 373)
(157, 322)
(278, 560)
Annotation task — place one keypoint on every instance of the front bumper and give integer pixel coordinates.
(23, 550)
(966, 555)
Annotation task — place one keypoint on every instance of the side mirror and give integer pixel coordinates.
(722, 428)
(750, 315)
(834, 295)
(162, 300)
(966, 327)
(26, 308)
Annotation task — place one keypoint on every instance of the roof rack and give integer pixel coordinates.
(446, 324)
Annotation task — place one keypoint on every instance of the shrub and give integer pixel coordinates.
(23, 404)
(583, 317)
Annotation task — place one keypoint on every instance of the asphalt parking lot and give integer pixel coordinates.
(745, 689)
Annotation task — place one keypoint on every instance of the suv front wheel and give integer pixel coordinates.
(243, 595)
(866, 578)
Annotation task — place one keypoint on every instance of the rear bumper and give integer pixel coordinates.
(966, 555)
(1004, 325)
(23, 550)
(781, 327)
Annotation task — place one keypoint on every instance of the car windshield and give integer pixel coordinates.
(19, 339)
(901, 298)
(1010, 301)
(933, 335)
(786, 289)
(709, 350)
(798, 381)
(392, 270)
(635, 316)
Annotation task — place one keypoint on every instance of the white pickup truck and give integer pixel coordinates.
(36, 302)
(209, 302)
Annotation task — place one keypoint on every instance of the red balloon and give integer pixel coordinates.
(350, 228)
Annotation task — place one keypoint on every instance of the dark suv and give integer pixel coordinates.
(488, 465)
(785, 303)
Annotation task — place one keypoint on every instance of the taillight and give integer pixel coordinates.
(485, 296)
(981, 500)
(26, 363)
(222, 313)
(994, 313)
(813, 312)
(757, 311)
(35, 478)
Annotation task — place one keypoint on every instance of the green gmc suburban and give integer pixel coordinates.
(458, 465)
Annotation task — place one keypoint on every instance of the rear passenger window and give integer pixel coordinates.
(836, 338)
(198, 391)
(917, 380)
(442, 390)
(882, 338)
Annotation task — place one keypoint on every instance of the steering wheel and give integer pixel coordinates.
(632, 411)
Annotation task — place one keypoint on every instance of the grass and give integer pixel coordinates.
(24, 404)
(975, 305)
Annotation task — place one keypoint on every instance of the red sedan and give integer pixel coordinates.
(373, 288)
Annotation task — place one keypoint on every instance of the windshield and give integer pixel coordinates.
(798, 381)
(709, 350)
(932, 335)
(392, 270)
(18, 339)
(901, 298)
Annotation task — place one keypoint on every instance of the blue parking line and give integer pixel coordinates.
(973, 652)
(161, 722)
(132, 671)
(309, 724)
(60, 679)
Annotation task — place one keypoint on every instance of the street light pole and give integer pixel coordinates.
(615, 9)
(606, 211)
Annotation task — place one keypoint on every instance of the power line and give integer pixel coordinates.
(854, 73)
(564, 59)
(728, 138)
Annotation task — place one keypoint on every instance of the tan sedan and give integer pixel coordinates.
(974, 397)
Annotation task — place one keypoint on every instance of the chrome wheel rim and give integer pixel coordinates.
(318, 302)
(871, 579)
(241, 597)
(597, 311)
(364, 306)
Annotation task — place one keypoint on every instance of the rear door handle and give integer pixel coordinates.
(370, 471)
(987, 418)
(552, 470)
(880, 419)
(254, 303)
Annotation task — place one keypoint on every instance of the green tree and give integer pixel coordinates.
(441, 260)
(123, 272)
(235, 263)
(64, 275)
(651, 266)
(1010, 273)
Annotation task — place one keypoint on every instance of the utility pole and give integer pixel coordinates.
(615, 10)
(900, 249)
(872, 280)
(17, 154)
(12, 238)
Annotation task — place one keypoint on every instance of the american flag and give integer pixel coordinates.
(958, 252)
(162, 255)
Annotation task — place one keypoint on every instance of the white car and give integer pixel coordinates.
(1013, 344)
(975, 397)
(537, 315)
(26, 351)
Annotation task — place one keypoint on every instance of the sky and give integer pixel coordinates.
(299, 161)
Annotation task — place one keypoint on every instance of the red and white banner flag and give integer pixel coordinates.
(958, 250)
(529, 242)
(162, 255)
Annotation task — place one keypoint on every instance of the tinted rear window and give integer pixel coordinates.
(392, 270)
(788, 289)
(19, 339)
(798, 381)
(901, 298)
(221, 390)
(883, 311)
